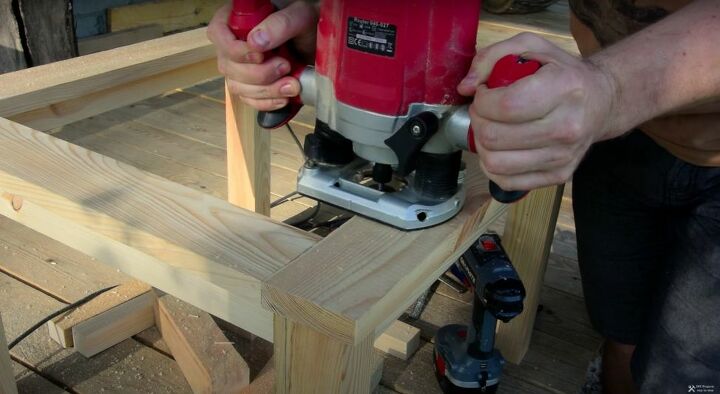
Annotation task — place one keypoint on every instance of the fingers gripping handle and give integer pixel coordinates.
(245, 15)
(506, 71)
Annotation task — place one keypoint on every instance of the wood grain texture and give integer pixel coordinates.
(115, 325)
(7, 377)
(49, 30)
(61, 328)
(60, 93)
(527, 239)
(12, 54)
(307, 361)
(189, 244)
(248, 157)
(172, 15)
(400, 340)
(127, 367)
(361, 277)
(208, 360)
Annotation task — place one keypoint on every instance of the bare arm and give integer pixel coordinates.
(534, 132)
(671, 66)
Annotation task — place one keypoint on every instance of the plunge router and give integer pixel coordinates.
(391, 127)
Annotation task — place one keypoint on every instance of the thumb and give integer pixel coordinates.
(283, 26)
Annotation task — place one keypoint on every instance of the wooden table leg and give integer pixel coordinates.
(307, 361)
(248, 157)
(528, 236)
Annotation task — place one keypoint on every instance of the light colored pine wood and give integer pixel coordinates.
(527, 239)
(307, 361)
(172, 15)
(208, 360)
(7, 377)
(248, 158)
(56, 94)
(127, 367)
(115, 325)
(400, 340)
(104, 42)
(186, 243)
(359, 279)
(61, 328)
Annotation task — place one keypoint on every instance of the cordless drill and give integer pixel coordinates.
(465, 358)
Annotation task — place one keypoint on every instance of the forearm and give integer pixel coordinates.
(671, 66)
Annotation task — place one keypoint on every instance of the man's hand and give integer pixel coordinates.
(534, 132)
(264, 83)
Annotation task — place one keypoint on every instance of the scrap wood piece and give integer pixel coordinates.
(400, 340)
(7, 377)
(108, 319)
(208, 360)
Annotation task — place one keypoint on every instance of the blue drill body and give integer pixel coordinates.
(465, 358)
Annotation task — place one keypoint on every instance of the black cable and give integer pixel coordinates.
(59, 312)
(297, 141)
(282, 199)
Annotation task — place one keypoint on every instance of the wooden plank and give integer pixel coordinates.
(350, 290)
(61, 328)
(7, 378)
(57, 94)
(49, 30)
(172, 15)
(206, 357)
(104, 42)
(127, 367)
(115, 325)
(400, 340)
(248, 158)
(527, 239)
(307, 361)
(12, 55)
(194, 246)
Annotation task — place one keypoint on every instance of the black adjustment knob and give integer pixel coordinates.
(408, 142)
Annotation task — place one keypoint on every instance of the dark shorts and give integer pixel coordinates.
(648, 235)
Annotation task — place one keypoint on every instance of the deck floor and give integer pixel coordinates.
(180, 136)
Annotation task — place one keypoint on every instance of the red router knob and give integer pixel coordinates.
(246, 14)
(511, 68)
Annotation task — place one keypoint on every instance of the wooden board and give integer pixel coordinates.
(49, 30)
(127, 367)
(115, 325)
(527, 239)
(12, 55)
(188, 244)
(349, 289)
(400, 340)
(172, 15)
(7, 378)
(57, 94)
(61, 328)
(248, 157)
(104, 42)
(207, 358)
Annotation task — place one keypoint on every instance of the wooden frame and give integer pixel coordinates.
(322, 302)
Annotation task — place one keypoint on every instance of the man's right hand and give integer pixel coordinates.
(264, 83)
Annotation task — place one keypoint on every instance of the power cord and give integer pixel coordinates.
(57, 313)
